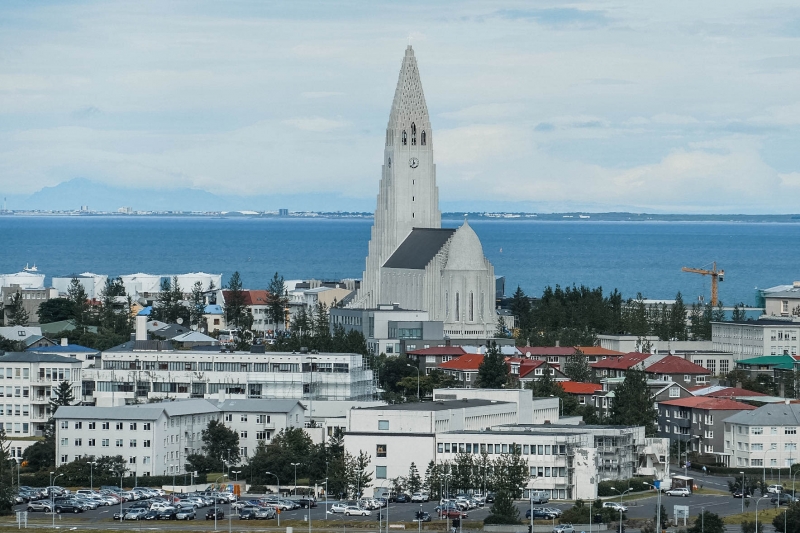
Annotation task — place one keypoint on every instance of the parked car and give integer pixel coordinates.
(738, 494)
(564, 528)
(185, 513)
(307, 502)
(682, 491)
(419, 497)
(452, 513)
(616, 506)
(539, 513)
(422, 516)
(67, 506)
(555, 511)
(357, 511)
(265, 513)
(249, 513)
(775, 489)
(150, 515)
(210, 514)
(338, 508)
(403, 498)
(136, 513)
(168, 513)
(490, 497)
(39, 505)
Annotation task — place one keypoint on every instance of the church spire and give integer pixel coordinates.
(408, 106)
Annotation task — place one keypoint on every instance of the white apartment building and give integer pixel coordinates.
(748, 339)
(27, 381)
(139, 371)
(764, 437)
(155, 439)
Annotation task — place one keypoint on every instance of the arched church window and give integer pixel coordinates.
(422, 138)
(458, 315)
(446, 306)
(471, 307)
(413, 134)
(404, 138)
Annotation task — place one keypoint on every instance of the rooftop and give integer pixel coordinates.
(439, 350)
(672, 364)
(774, 414)
(533, 351)
(719, 391)
(36, 357)
(576, 387)
(419, 248)
(709, 404)
(433, 406)
(69, 348)
(469, 361)
(623, 362)
(783, 362)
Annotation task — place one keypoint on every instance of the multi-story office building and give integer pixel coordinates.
(763, 437)
(27, 381)
(138, 370)
(156, 439)
(747, 339)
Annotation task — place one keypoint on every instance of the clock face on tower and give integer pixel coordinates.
(413, 162)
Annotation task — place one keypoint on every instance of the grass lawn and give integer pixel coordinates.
(765, 516)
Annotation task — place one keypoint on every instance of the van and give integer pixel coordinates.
(775, 489)
(540, 496)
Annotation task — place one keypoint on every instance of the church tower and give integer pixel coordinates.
(408, 197)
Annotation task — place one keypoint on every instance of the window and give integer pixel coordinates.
(789, 431)
(146, 426)
(380, 471)
(145, 443)
(133, 426)
(789, 445)
(104, 443)
(261, 435)
(119, 443)
(244, 418)
(106, 425)
(132, 460)
(78, 442)
(65, 442)
(405, 142)
(383, 425)
(422, 138)
(133, 443)
(64, 459)
(228, 418)
(756, 431)
(381, 450)
(78, 425)
(757, 447)
(119, 426)
(674, 392)
(64, 424)
(243, 451)
(242, 434)
(757, 462)
(91, 442)
(92, 425)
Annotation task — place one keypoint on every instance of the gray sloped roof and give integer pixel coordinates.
(417, 250)
(258, 406)
(35, 357)
(123, 412)
(773, 414)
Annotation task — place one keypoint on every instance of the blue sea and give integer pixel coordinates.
(632, 257)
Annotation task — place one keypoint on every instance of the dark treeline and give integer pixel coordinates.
(574, 316)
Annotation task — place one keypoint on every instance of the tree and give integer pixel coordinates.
(677, 319)
(115, 308)
(220, 446)
(577, 367)
(79, 301)
(414, 481)
(739, 313)
(632, 405)
(277, 300)
(749, 526)
(6, 476)
(503, 511)
(791, 519)
(545, 386)
(196, 304)
(169, 307)
(63, 396)
(15, 311)
(493, 371)
(357, 474)
(54, 310)
(520, 307)
(706, 522)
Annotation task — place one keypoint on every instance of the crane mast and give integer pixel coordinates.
(716, 277)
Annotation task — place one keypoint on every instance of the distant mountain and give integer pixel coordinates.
(77, 192)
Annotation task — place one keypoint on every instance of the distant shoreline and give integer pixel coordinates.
(577, 217)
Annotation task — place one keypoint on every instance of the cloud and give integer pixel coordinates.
(315, 123)
(557, 16)
(320, 94)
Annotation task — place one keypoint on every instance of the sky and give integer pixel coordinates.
(679, 107)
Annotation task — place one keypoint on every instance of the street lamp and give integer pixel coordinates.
(744, 492)
(620, 505)
(236, 472)
(417, 369)
(761, 498)
(295, 465)
(326, 499)
(171, 467)
(91, 475)
(658, 506)
(215, 502)
(279, 492)
(52, 494)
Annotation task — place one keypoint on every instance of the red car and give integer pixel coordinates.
(452, 513)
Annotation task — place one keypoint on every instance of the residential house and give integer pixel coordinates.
(674, 368)
(583, 392)
(763, 437)
(617, 366)
(698, 422)
(31, 300)
(755, 338)
(430, 357)
(528, 370)
(464, 368)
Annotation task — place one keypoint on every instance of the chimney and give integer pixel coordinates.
(64, 341)
(141, 327)
(558, 344)
(796, 284)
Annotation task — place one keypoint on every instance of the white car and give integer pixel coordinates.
(564, 528)
(357, 511)
(775, 489)
(338, 508)
(419, 497)
(682, 491)
(616, 506)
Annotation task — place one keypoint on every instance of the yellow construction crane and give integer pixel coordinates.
(716, 276)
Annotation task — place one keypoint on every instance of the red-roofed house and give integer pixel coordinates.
(558, 356)
(678, 369)
(527, 370)
(698, 422)
(733, 393)
(582, 391)
(615, 367)
(463, 368)
(426, 359)
(256, 303)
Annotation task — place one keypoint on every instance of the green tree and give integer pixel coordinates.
(544, 386)
(15, 311)
(577, 367)
(357, 474)
(632, 405)
(414, 481)
(503, 511)
(115, 309)
(749, 526)
(791, 519)
(493, 371)
(520, 307)
(739, 313)
(77, 296)
(277, 300)
(677, 319)
(169, 306)
(55, 310)
(197, 305)
(8, 345)
(510, 472)
(6, 476)
(220, 447)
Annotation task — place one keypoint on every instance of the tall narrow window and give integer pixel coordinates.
(446, 306)
(471, 307)
(458, 315)
(404, 138)
(422, 138)
(413, 134)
